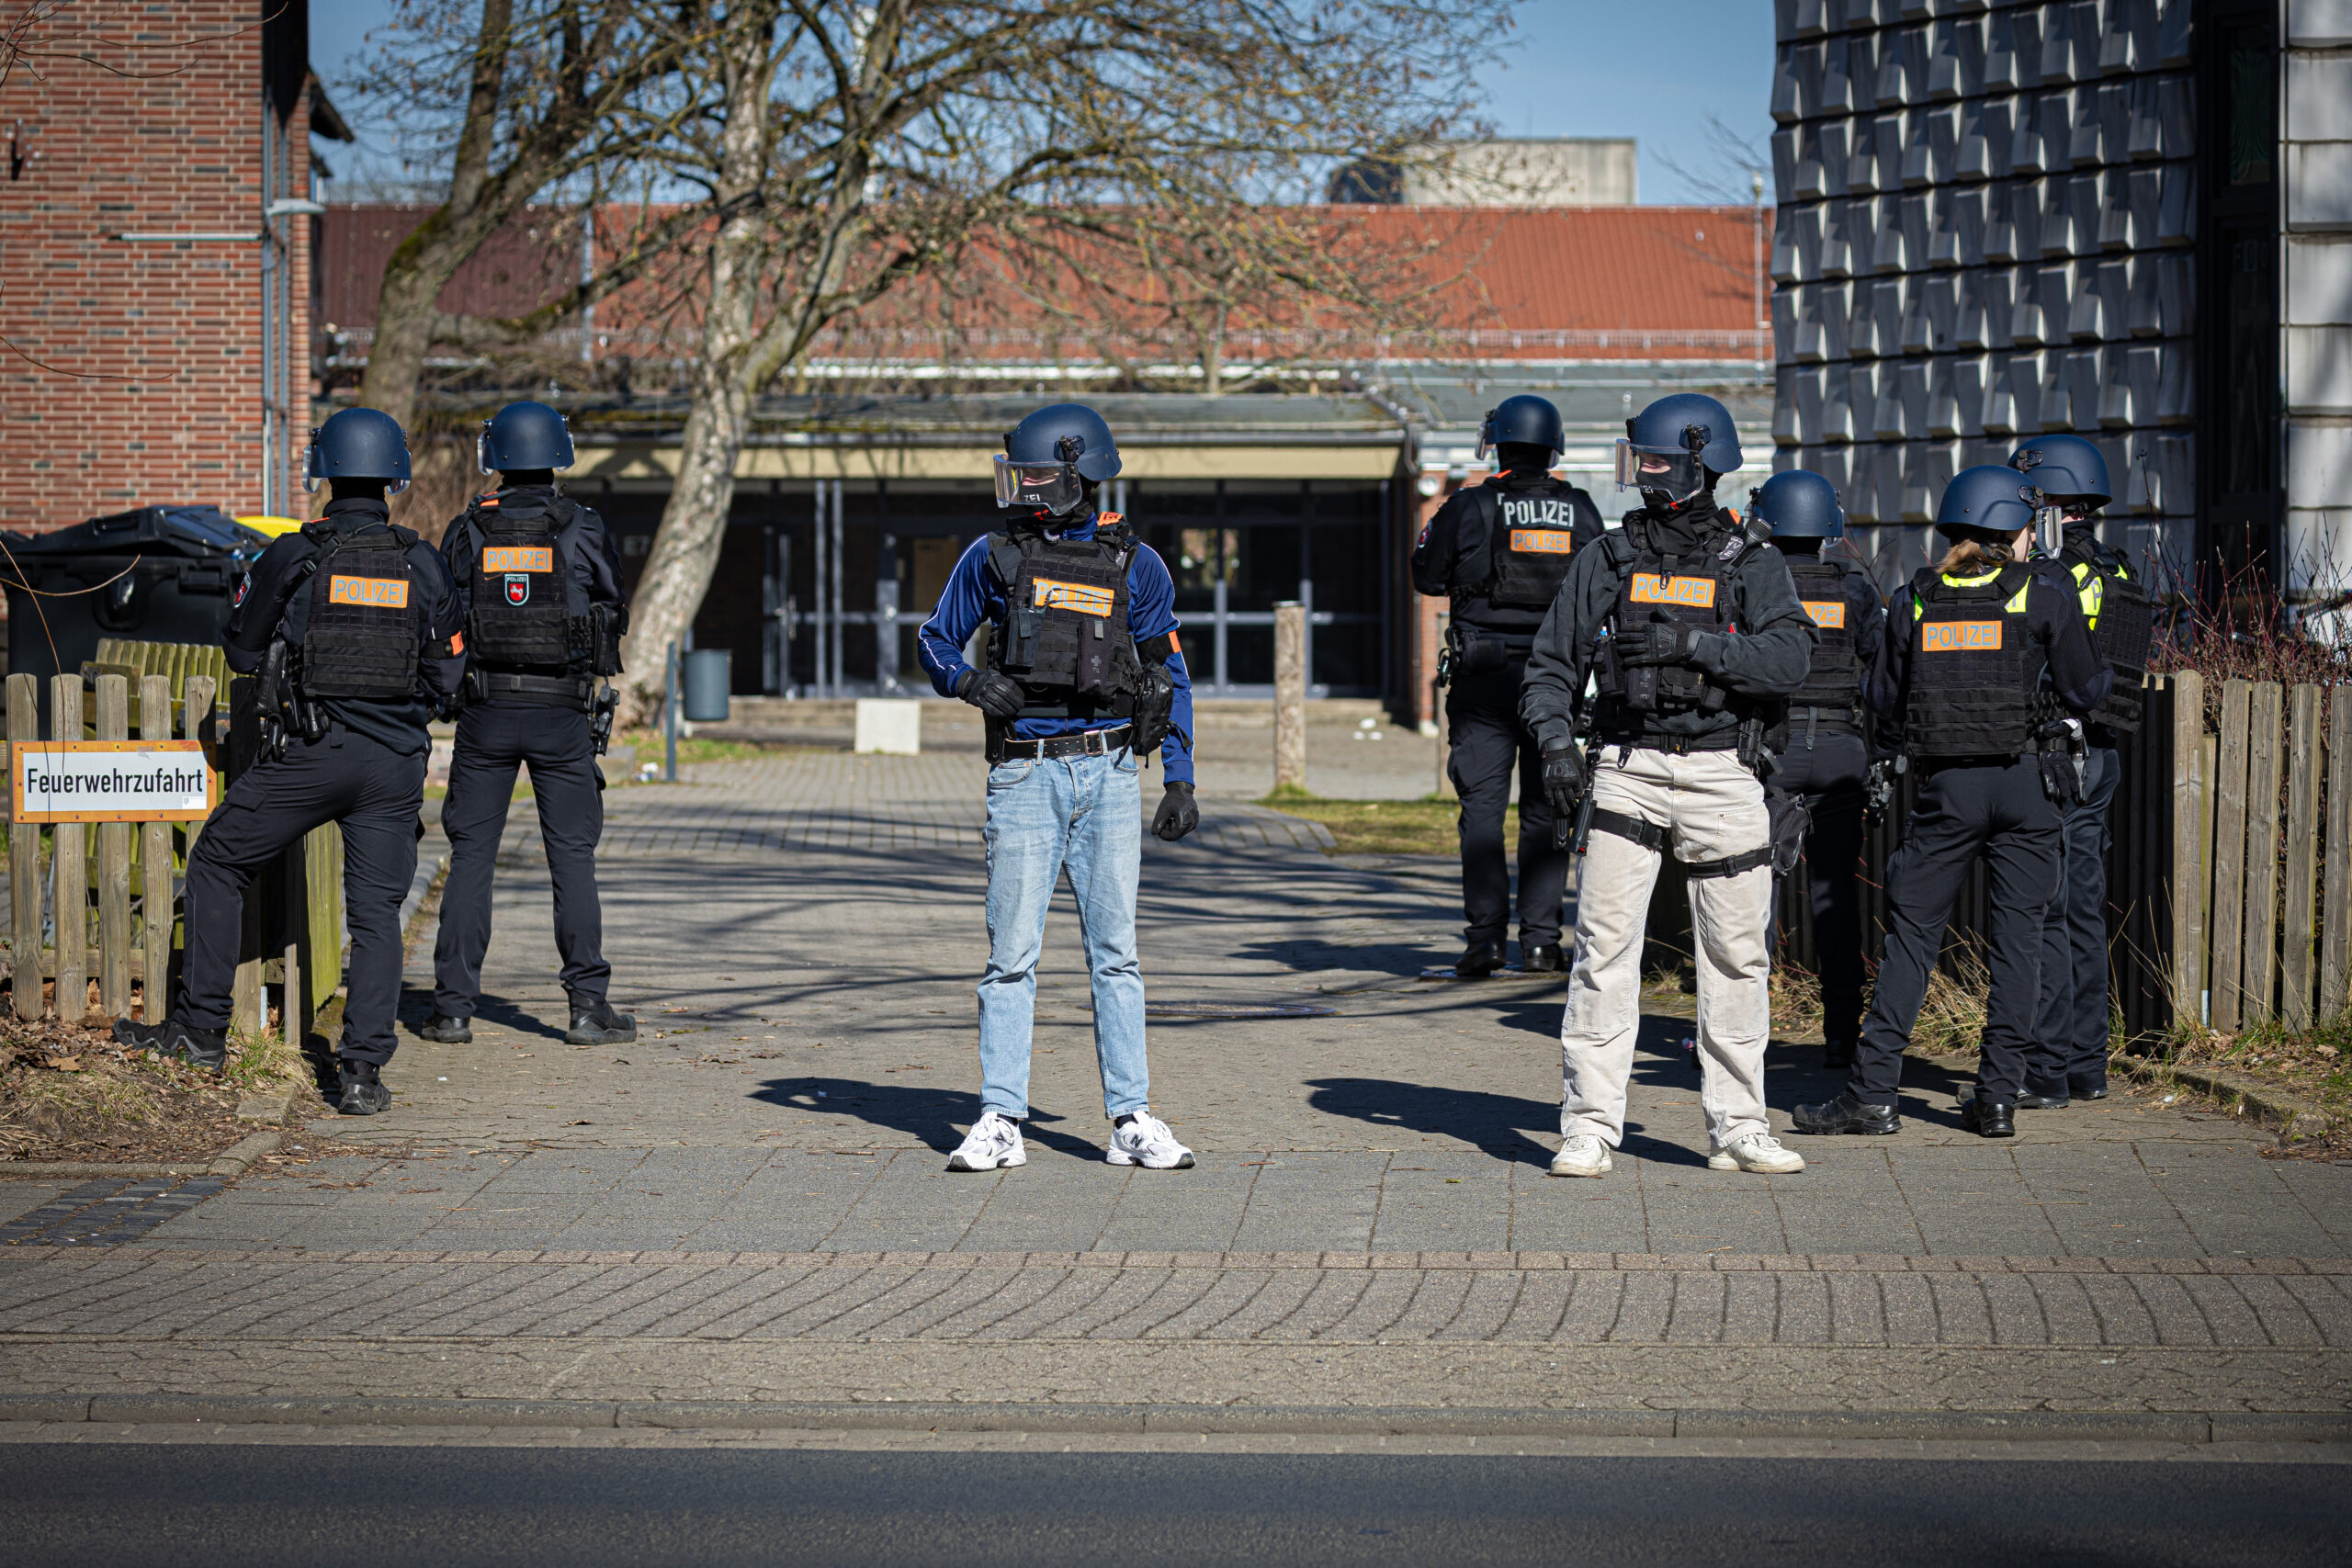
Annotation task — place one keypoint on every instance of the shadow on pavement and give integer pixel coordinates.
(931, 1115)
(1494, 1122)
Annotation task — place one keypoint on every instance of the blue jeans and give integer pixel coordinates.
(1081, 815)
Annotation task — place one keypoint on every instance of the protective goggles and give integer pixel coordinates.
(1671, 470)
(313, 471)
(1055, 487)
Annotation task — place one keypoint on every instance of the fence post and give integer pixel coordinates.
(1290, 694)
(114, 866)
(197, 696)
(2228, 855)
(2189, 784)
(2335, 917)
(155, 865)
(24, 858)
(2257, 986)
(69, 869)
(2303, 865)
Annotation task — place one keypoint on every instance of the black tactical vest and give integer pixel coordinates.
(1694, 588)
(2122, 617)
(1066, 639)
(364, 622)
(1974, 665)
(1834, 683)
(522, 616)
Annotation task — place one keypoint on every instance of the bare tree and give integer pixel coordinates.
(515, 98)
(847, 148)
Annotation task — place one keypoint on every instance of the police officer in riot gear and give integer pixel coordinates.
(350, 624)
(1985, 660)
(1690, 626)
(1499, 551)
(1086, 681)
(2068, 1058)
(544, 618)
(1819, 745)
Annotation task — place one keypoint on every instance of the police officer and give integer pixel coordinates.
(544, 618)
(349, 624)
(1818, 745)
(1984, 657)
(1086, 681)
(1688, 625)
(1499, 552)
(2068, 1058)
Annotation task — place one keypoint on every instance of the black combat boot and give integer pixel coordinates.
(1989, 1118)
(447, 1031)
(364, 1093)
(593, 1022)
(1478, 960)
(2031, 1101)
(1544, 958)
(206, 1048)
(1847, 1114)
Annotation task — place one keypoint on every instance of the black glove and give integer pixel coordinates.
(1661, 639)
(1877, 795)
(1176, 815)
(997, 695)
(1563, 777)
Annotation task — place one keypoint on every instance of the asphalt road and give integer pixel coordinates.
(257, 1505)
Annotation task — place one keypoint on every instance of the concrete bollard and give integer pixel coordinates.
(892, 725)
(1290, 694)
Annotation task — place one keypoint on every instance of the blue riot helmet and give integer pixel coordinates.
(1986, 500)
(524, 435)
(358, 444)
(1799, 504)
(1525, 421)
(1672, 450)
(1050, 457)
(2064, 467)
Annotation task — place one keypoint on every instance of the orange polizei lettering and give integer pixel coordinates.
(1830, 612)
(1651, 589)
(519, 557)
(384, 593)
(1079, 598)
(1541, 541)
(1961, 636)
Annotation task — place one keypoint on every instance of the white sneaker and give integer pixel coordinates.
(994, 1140)
(1583, 1154)
(1146, 1141)
(1759, 1152)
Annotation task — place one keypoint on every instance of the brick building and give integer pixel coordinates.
(156, 231)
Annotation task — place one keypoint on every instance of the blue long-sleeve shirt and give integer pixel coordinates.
(973, 595)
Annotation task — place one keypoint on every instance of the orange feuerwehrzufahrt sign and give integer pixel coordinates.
(109, 781)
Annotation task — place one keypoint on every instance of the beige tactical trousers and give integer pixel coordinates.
(1714, 807)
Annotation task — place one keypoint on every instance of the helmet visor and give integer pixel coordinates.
(1673, 471)
(482, 451)
(1055, 487)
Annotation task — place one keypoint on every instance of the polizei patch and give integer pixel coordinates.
(1079, 598)
(384, 593)
(518, 588)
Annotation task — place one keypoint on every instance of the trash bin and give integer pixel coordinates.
(707, 677)
(160, 574)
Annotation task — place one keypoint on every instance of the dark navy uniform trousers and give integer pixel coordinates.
(493, 741)
(2069, 1054)
(374, 792)
(1828, 769)
(2001, 815)
(1482, 723)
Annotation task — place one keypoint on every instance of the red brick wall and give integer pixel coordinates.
(150, 386)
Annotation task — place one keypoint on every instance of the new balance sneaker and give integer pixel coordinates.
(994, 1141)
(1758, 1152)
(1144, 1139)
(1582, 1155)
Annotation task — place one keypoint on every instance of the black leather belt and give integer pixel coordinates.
(1090, 743)
(574, 690)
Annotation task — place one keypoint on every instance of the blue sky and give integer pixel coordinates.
(1638, 68)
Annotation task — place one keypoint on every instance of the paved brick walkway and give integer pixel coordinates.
(751, 1200)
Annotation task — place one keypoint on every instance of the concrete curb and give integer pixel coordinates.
(235, 1160)
(1919, 1426)
(2295, 1117)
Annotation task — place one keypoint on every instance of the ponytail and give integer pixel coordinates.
(1963, 555)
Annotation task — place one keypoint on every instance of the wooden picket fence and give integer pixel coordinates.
(118, 913)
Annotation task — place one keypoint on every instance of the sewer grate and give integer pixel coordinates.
(108, 1214)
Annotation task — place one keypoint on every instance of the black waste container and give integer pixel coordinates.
(160, 574)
